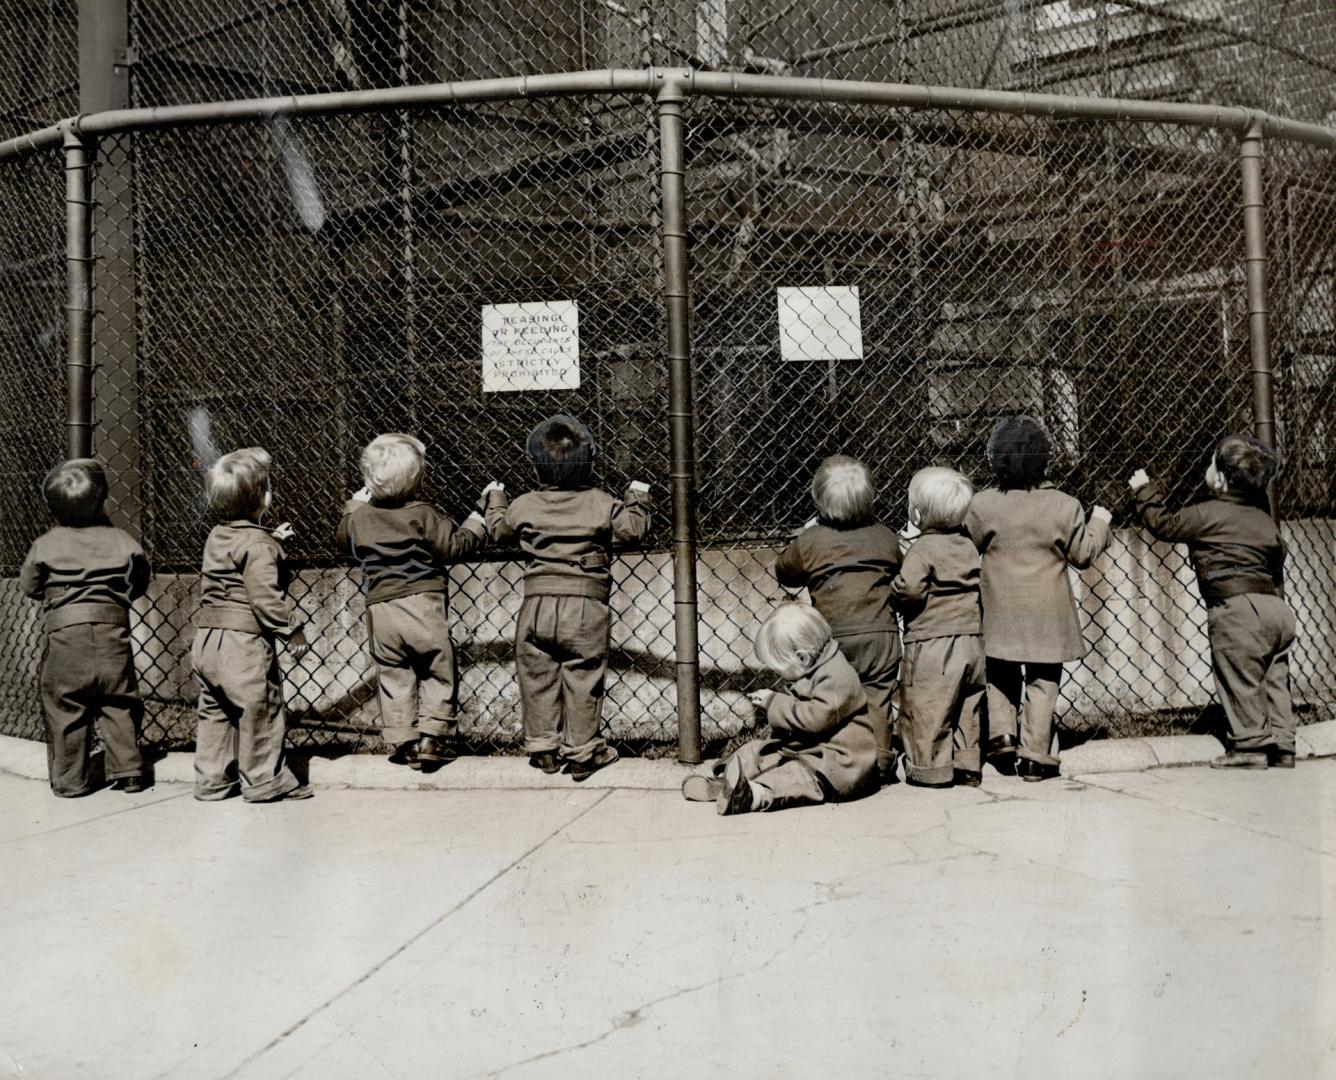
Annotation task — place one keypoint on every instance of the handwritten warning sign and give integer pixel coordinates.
(533, 346)
(821, 323)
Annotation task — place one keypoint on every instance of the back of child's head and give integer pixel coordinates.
(392, 465)
(562, 451)
(1246, 465)
(791, 637)
(236, 487)
(941, 497)
(1019, 450)
(842, 491)
(76, 492)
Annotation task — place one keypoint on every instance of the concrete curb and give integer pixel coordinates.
(22, 757)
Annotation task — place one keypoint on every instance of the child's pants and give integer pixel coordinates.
(415, 662)
(1040, 681)
(876, 658)
(943, 703)
(786, 781)
(1250, 638)
(241, 718)
(561, 659)
(87, 677)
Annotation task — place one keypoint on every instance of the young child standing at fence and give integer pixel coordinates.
(86, 572)
(1028, 533)
(823, 746)
(403, 546)
(565, 530)
(244, 607)
(1237, 552)
(846, 560)
(937, 591)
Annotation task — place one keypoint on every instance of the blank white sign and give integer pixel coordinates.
(821, 323)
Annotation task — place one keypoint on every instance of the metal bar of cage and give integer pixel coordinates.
(78, 297)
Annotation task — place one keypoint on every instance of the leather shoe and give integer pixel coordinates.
(1240, 759)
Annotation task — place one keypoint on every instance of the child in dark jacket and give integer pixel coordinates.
(566, 530)
(1028, 533)
(1236, 550)
(823, 747)
(244, 608)
(846, 560)
(937, 591)
(86, 572)
(403, 546)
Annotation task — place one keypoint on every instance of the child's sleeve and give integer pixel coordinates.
(496, 517)
(1184, 525)
(451, 543)
(825, 710)
(343, 534)
(138, 572)
(260, 576)
(630, 516)
(1082, 540)
(791, 568)
(32, 576)
(910, 586)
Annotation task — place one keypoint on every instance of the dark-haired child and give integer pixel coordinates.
(566, 530)
(86, 572)
(937, 591)
(1237, 553)
(847, 561)
(243, 609)
(1028, 533)
(403, 545)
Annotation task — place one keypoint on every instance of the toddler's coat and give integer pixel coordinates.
(86, 577)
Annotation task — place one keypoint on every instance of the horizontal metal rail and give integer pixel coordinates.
(649, 81)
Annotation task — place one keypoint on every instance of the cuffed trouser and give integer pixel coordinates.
(1250, 638)
(87, 677)
(241, 719)
(1040, 683)
(943, 700)
(875, 656)
(561, 660)
(416, 667)
(784, 780)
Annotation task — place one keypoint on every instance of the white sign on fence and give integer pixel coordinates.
(533, 346)
(820, 323)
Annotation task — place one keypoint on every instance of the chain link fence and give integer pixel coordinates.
(305, 283)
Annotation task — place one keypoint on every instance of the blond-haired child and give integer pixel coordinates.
(244, 609)
(1236, 550)
(847, 560)
(1028, 533)
(823, 746)
(86, 572)
(937, 592)
(403, 546)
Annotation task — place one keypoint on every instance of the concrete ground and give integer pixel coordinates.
(1170, 923)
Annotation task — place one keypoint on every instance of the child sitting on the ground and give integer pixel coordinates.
(1028, 533)
(937, 591)
(822, 747)
(566, 530)
(1236, 550)
(244, 607)
(86, 572)
(403, 545)
(846, 560)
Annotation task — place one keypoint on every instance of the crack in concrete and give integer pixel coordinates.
(100, 817)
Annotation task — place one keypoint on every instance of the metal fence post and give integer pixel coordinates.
(1254, 258)
(672, 170)
(78, 298)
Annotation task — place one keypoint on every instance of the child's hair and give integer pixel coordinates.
(1247, 466)
(1019, 450)
(235, 485)
(562, 450)
(75, 492)
(392, 465)
(793, 635)
(941, 496)
(842, 491)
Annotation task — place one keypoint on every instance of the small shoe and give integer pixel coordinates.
(131, 785)
(580, 771)
(1001, 754)
(545, 760)
(438, 749)
(1280, 759)
(1032, 771)
(406, 754)
(699, 788)
(967, 778)
(914, 781)
(1240, 759)
(304, 791)
(736, 801)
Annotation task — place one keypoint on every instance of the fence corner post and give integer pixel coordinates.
(672, 174)
(1254, 257)
(78, 296)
